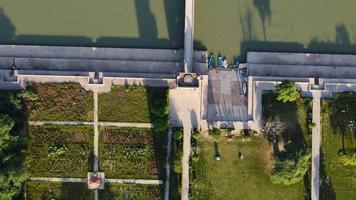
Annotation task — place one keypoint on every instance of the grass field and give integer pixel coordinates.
(129, 191)
(113, 23)
(59, 101)
(232, 178)
(131, 153)
(49, 191)
(59, 151)
(133, 104)
(231, 27)
(341, 179)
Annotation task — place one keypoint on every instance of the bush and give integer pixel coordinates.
(348, 158)
(215, 132)
(291, 171)
(287, 92)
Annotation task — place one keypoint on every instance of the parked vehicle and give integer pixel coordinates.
(220, 62)
(211, 61)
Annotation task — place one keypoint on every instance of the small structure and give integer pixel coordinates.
(96, 180)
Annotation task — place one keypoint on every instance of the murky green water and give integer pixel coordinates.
(231, 27)
(113, 23)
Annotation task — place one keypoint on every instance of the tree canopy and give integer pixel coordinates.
(291, 171)
(12, 172)
(287, 92)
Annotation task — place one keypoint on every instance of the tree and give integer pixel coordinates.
(12, 171)
(274, 128)
(287, 91)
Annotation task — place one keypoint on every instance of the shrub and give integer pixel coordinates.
(215, 132)
(291, 171)
(287, 92)
(178, 135)
(348, 158)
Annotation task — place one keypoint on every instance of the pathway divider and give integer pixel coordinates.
(75, 123)
(168, 165)
(62, 180)
(96, 132)
(316, 139)
(135, 181)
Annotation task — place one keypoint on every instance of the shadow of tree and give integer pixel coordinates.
(7, 29)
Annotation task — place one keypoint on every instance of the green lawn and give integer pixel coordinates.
(232, 27)
(113, 23)
(58, 101)
(342, 179)
(130, 191)
(232, 178)
(59, 151)
(132, 153)
(50, 191)
(133, 104)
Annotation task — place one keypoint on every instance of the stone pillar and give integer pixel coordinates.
(189, 36)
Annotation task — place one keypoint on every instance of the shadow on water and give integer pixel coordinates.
(264, 10)
(147, 27)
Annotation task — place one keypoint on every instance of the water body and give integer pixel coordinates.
(232, 27)
(110, 23)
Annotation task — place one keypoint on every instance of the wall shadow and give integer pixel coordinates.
(147, 27)
(7, 29)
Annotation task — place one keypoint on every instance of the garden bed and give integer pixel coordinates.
(52, 190)
(131, 191)
(131, 153)
(60, 151)
(58, 102)
(134, 104)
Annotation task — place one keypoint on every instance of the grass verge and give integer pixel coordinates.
(232, 178)
(338, 180)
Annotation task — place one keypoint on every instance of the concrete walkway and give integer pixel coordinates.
(64, 180)
(69, 123)
(168, 165)
(135, 181)
(316, 138)
(96, 132)
(189, 36)
(64, 123)
(185, 161)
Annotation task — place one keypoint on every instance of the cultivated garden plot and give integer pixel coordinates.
(59, 151)
(52, 190)
(338, 164)
(132, 153)
(130, 191)
(58, 102)
(134, 104)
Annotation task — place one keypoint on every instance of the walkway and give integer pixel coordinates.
(185, 161)
(316, 146)
(64, 180)
(96, 132)
(168, 160)
(71, 123)
(188, 35)
(135, 181)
